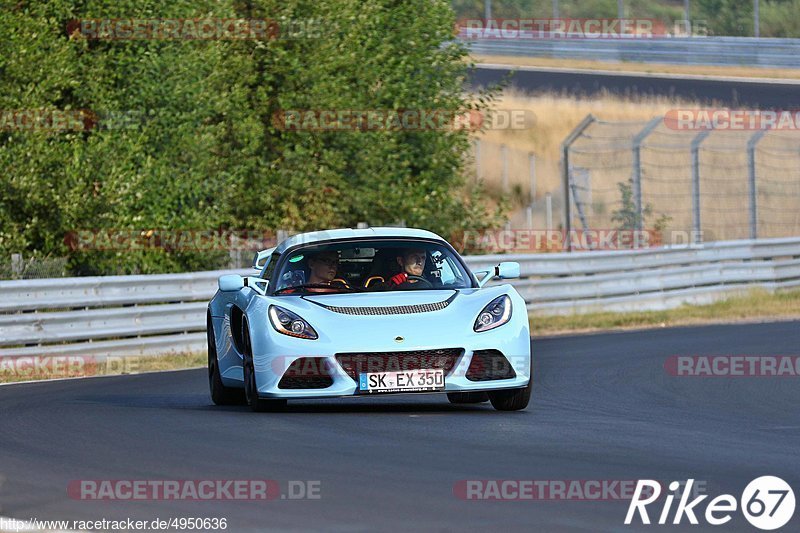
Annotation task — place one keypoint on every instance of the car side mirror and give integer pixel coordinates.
(261, 258)
(231, 283)
(507, 270)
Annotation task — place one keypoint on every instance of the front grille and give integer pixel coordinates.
(488, 365)
(356, 363)
(306, 373)
(390, 309)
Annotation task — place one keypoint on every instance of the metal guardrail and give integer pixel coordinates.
(141, 315)
(722, 51)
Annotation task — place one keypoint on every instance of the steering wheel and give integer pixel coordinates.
(419, 279)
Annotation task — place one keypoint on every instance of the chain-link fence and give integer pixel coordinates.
(711, 184)
(522, 177)
(19, 267)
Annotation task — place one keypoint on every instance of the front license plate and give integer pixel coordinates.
(408, 381)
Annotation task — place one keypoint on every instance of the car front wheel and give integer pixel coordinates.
(220, 394)
(259, 405)
(513, 399)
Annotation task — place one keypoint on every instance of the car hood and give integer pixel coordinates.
(423, 318)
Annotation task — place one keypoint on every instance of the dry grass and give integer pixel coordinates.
(648, 68)
(555, 117)
(757, 306)
(666, 160)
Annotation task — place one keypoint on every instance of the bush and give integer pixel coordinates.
(196, 147)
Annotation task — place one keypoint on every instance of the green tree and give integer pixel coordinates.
(725, 17)
(200, 149)
(628, 217)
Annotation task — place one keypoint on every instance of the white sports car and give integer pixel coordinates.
(365, 312)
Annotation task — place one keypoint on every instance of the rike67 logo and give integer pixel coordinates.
(767, 503)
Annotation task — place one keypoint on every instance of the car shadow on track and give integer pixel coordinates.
(366, 406)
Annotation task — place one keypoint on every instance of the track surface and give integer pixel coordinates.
(730, 93)
(603, 408)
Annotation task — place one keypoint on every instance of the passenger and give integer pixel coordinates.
(322, 267)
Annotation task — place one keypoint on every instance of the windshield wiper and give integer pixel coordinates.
(315, 286)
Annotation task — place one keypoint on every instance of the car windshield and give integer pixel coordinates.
(370, 266)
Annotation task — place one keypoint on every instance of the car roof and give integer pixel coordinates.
(349, 233)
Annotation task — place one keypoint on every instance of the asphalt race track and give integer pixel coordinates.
(750, 94)
(603, 409)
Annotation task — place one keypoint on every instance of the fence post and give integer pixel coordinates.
(234, 252)
(532, 171)
(756, 18)
(16, 265)
(504, 157)
(636, 180)
(751, 170)
(565, 177)
(699, 138)
(477, 160)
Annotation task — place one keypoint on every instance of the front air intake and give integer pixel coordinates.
(307, 373)
(489, 365)
(356, 363)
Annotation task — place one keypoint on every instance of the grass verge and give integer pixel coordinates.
(638, 68)
(757, 306)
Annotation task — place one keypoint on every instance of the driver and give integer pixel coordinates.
(412, 263)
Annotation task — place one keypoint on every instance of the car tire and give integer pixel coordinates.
(259, 405)
(220, 394)
(513, 399)
(467, 397)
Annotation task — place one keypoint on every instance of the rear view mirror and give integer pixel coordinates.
(504, 270)
(507, 270)
(231, 283)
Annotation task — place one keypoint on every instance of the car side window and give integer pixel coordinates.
(445, 272)
(448, 276)
(270, 269)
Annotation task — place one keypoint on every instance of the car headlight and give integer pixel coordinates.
(497, 313)
(288, 323)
